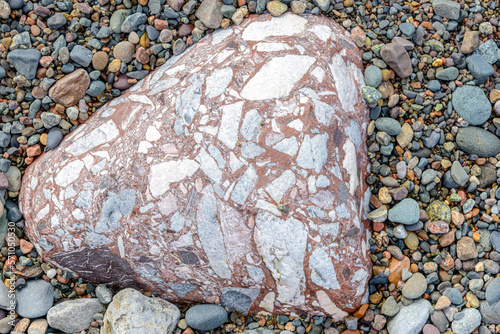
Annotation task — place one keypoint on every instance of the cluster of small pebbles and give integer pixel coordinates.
(433, 86)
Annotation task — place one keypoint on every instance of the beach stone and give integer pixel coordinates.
(406, 212)
(396, 56)
(390, 307)
(104, 294)
(493, 291)
(470, 42)
(132, 22)
(38, 326)
(25, 61)
(71, 88)
(479, 67)
(490, 313)
(410, 319)
(124, 51)
(447, 8)
(73, 316)
(81, 55)
(495, 240)
(474, 140)
(205, 317)
(467, 322)
(415, 286)
(459, 174)
(54, 137)
(4, 10)
(388, 125)
(448, 74)
(35, 299)
(438, 210)
(191, 171)
(373, 76)
(466, 249)
(209, 13)
(471, 103)
(131, 312)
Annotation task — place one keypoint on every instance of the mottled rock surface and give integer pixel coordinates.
(234, 174)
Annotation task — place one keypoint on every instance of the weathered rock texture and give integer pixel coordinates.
(233, 173)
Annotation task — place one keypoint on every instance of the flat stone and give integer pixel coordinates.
(406, 212)
(35, 299)
(479, 67)
(74, 316)
(133, 22)
(188, 173)
(396, 56)
(410, 319)
(466, 321)
(474, 140)
(471, 103)
(206, 317)
(446, 8)
(209, 13)
(466, 249)
(490, 313)
(71, 88)
(25, 61)
(448, 74)
(132, 312)
(388, 125)
(458, 174)
(415, 286)
(493, 291)
(81, 55)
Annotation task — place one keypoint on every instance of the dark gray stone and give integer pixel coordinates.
(477, 141)
(56, 21)
(25, 61)
(133, 22)
(54, 137)
(479, 67)
(388, 125)
(81, 55)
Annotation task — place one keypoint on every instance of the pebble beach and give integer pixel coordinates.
(433, 89)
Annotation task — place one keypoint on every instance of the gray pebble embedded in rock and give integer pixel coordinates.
(474, 140)
(467, 322)
(406, 212)
(410, 319)
(25, 61)
(388, 125)
(74, 316)
(205, 317)
(35, 299)
(471, 104)
(81, 55)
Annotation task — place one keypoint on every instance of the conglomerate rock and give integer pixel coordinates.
(234, 173)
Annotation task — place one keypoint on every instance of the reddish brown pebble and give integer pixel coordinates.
(26, 246)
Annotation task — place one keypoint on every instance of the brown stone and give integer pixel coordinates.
(100, 60)
(466, 249)
(124, 51)
(470, 42)
(396, 267)
(71, 88)
(185, 30)
(175, 4)
(396, 56)
(142, 55)
(188, 184)
(447, 238)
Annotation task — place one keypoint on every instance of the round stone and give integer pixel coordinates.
(35, 299)
(124, 51)
(100, 60)
(370, 94)
(471, 103)
(373, 76)
(415, 286)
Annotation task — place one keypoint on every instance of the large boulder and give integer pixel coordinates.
(234, 173)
